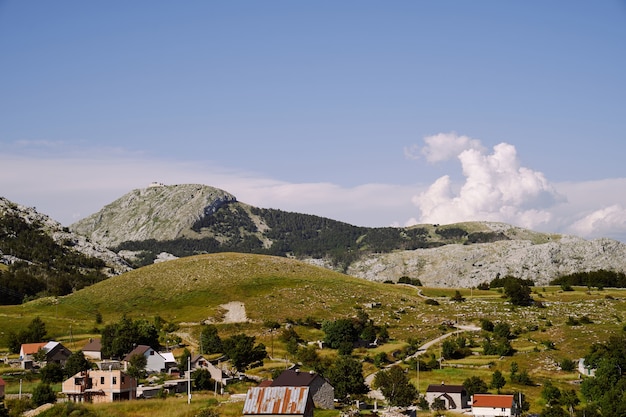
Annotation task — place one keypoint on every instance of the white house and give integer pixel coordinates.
(488, 405)
(155, 362)
(217, 374)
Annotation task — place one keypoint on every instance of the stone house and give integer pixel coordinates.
(321, 391)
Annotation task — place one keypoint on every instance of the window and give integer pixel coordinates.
(152, 353)
(122, 379)
(78, 381)
(101, 380)
(114, 380)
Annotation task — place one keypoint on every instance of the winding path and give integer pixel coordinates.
(376, 394)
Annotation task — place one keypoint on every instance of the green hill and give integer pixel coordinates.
(192, 289)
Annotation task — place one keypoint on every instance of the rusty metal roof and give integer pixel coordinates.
(276, 400)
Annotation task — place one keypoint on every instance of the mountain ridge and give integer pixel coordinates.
(458, 255)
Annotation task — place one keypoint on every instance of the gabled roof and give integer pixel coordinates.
(95, 345)
(32, 348)
(448, 389)
(290, 378)
(139, 350)
(276, 400)
(493, 401)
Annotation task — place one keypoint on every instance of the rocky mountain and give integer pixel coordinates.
(157, 212)
(161, 222)
(63, 237)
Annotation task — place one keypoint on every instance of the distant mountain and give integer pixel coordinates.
(162, 222)
(40, 257)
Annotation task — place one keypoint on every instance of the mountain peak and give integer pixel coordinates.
(160, 212)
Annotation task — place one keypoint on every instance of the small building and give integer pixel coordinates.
(488, 405)
(155, 362)
(454, 396)
(217, 374)
(2, 387)
(278, 401)
(54, 351)
(97, 386)
(93, 349)
(28, 350)
(321, 391)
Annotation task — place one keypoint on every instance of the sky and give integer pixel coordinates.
(368, 112)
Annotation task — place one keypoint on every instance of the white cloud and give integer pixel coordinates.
(68, 189)
(602, 222)
(444, 146)
(71, 184)
(496, 187)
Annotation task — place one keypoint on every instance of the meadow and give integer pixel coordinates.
(189, 291)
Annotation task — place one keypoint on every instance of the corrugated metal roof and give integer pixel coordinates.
(276, 400)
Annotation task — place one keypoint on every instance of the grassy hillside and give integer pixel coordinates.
(190, 290)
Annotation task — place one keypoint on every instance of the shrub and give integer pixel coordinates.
(431, 302)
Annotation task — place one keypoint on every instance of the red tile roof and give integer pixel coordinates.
(493, 401)
(32, 348)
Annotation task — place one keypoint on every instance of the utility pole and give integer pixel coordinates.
(189, 379)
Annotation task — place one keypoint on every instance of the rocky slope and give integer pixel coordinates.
(466, 266)
(160, 212)
(460, 255)
(62, 236)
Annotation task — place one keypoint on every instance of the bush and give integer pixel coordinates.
(431, 302)
(43, 394)
(567, 365)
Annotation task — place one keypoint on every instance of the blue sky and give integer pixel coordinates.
(374, 113)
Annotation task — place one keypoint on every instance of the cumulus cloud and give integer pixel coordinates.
(606, 221)
(442, 147)
(496, 186)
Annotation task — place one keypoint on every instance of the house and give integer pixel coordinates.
(155, 362)
(454, 396)
(93, 349)
(321, 391)
(2, 387)
(97, 386)
(170, 360)
(488, 405)
(55, 352)
(278, 401)
(28, 350)
(217, 374)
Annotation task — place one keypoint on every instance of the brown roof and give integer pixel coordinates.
(95, 345)
(140, 350)
(290, 378)
(455, 389)
(493, 401)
